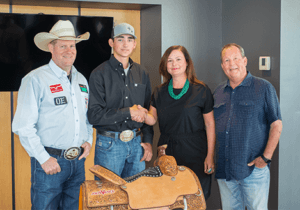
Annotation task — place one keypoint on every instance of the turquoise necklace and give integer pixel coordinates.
(183, 91)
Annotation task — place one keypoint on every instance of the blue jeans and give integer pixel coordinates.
(253, 191)
(58, 191)
(122, 158)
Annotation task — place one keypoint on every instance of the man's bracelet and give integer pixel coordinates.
(265, 159)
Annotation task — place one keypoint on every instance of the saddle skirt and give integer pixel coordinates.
(165, 185)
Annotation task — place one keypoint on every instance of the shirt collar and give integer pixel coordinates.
(115, 63)
(58, 71)
(246, 81)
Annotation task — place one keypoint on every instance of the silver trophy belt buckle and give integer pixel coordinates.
(72, 153)
(126, 135)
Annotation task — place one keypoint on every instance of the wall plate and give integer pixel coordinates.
(264, 63)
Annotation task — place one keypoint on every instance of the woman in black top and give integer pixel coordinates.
(183, 106)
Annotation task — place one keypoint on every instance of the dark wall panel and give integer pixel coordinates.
(255, 25)
(150, 55)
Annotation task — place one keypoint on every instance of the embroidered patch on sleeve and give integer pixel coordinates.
(60, 100)
(56, 88)
(86, 102)
(83, 88)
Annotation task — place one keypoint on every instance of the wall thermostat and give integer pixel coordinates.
(264, 63)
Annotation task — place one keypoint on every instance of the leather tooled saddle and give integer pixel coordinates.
(164, 185)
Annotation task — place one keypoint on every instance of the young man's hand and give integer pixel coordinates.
(147, 152)
(138, 113)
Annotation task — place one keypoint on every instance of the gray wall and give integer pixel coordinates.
(151, 54)
(289, 172)
(195, 24)
(255, 25)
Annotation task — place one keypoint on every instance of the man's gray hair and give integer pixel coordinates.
(233, 45)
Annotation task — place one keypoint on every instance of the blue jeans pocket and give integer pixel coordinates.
(258, 172)
(104, 143)
(260, 168)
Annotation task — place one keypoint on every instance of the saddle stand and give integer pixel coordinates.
(164, 185)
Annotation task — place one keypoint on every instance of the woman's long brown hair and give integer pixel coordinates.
(190, 70)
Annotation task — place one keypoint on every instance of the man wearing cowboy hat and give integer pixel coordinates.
(118, 86)
(51, 121)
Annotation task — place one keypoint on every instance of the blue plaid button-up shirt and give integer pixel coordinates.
(243, 117)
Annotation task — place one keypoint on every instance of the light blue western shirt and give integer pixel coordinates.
(52, 111)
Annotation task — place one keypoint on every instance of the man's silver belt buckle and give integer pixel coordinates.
(72, 153)
(126, 135)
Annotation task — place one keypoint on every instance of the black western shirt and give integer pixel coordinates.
(112, 93)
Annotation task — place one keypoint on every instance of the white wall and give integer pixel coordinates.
(289, 145)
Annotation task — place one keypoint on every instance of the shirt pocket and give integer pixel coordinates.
(58, 104)
(138, 93)
(246, 109)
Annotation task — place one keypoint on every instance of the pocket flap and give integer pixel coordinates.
(246, 103)
(219, 105)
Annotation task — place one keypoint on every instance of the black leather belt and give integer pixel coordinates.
(69, 154)
(120, 134)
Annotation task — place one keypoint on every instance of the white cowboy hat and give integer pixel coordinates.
(63, 30)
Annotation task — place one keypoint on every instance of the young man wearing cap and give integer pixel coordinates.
(117, 87)
(51, 121)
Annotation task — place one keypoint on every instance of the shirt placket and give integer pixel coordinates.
(121, 69)
(126, 92)
(76, 110)
(227, 132)
(74, 107)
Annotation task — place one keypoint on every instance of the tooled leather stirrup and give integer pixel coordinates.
(164, 185)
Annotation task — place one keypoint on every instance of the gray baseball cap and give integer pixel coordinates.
(123, 28)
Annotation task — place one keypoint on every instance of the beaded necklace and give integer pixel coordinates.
(183, 91)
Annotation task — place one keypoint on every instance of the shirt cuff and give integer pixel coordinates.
(42, 157)
(147, 139)
(90, 141)
(126, 113)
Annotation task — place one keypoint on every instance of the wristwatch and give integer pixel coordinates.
(265, 159)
